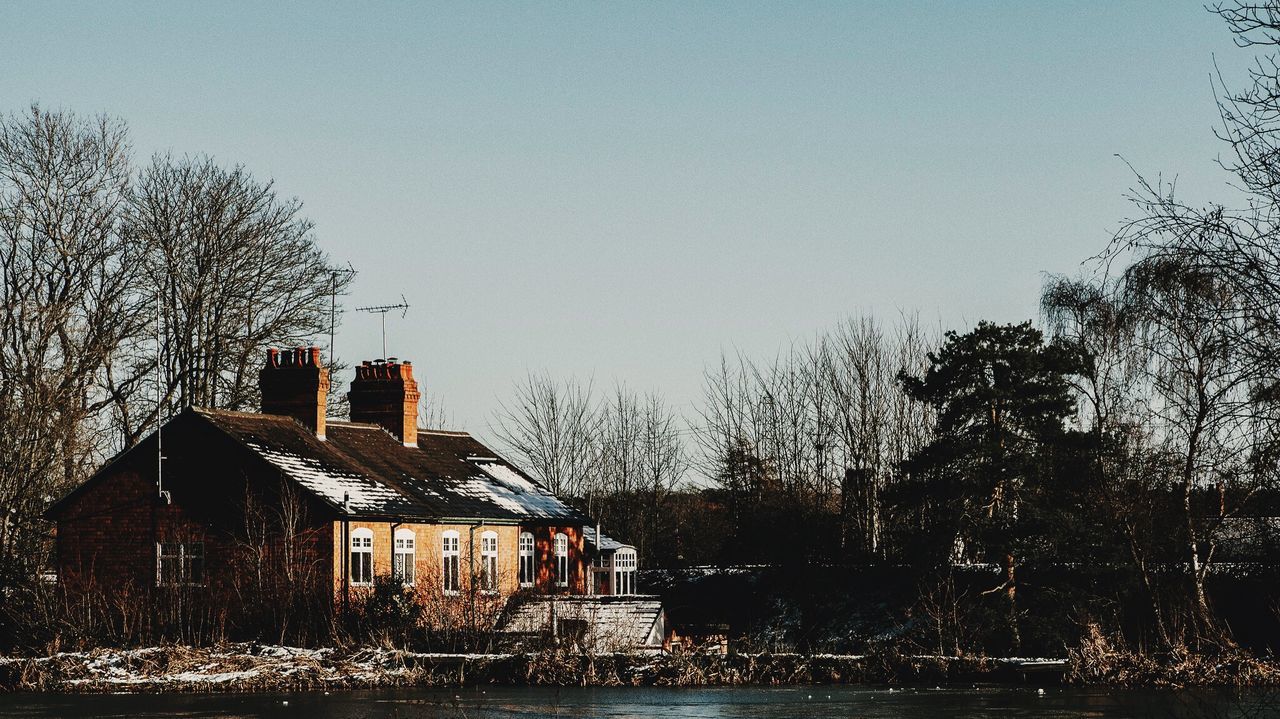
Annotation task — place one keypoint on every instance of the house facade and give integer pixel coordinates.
(214, 497)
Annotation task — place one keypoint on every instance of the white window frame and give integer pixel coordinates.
(624, 571)
(528, 569)
(561, 545)
(404, 564)
(361, 553)
(188, 561)
(450, 562)
(489, 562)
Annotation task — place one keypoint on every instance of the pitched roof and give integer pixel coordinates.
(362, 467)
(606, 543)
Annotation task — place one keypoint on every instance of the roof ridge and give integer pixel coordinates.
(444, 432)
(354, 425)
(239, 413)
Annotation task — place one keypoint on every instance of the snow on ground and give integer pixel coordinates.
(239, 666)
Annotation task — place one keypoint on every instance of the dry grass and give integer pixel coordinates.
(1104, 660)
(246, 667)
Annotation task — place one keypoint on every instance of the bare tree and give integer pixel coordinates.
(1202, 407)
(622, 460)
(433, 414)
(1202, 284)
(665, 462)
(642, 459)
(812, 439)
(234, 269)
(875, 425)
(1128, 474)
(67, 284)
(552, 429)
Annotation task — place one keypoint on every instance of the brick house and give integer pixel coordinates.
(200, 503)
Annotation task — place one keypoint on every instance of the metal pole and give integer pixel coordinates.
(159, 401)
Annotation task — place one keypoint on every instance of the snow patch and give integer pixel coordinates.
(360, 492)
(504, 487)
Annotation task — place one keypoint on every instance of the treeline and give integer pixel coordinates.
(1123, 453)
(129, 290)
(1124, 450)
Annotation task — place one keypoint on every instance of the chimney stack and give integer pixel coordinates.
(385, 393)
(294, 383)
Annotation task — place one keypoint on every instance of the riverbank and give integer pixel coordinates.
(274, 668)
(247, 667)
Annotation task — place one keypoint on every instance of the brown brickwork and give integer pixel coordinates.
(386, 394)
(429, 554)
(108, 530)
(545, 560)
(295, 384)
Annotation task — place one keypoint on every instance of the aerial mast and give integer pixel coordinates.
(382, 310)
(348, 272)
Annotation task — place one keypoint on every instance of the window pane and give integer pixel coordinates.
(168, 570)
(451, 573)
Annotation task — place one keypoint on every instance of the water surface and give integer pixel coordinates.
(827, 702)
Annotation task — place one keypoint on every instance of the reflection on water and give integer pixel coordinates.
(827, 702)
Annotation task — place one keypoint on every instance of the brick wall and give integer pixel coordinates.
(107, 535)
(429, 557)
(545, 561)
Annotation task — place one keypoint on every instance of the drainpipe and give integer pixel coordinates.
(394, 526)
(346, 552)
(472, 589)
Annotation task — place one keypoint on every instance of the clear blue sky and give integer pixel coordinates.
(624, 190)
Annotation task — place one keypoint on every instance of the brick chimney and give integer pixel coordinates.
(295, 384)
(385, 393)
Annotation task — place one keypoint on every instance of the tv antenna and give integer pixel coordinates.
(403, 306)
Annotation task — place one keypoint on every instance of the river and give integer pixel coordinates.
(827, 702)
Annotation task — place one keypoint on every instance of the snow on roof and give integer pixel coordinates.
(506, 476)
(612, 623)
(334, 485)
(606, 543)
(508, 489)
(447, 475)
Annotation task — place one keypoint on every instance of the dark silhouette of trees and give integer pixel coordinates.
(232, 268)
(70, 307)
(105, 272)
(1001, 397)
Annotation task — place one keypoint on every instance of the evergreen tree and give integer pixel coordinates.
(1001, 397)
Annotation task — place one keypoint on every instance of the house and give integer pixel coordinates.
(213, 497)
(614, 564)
